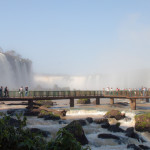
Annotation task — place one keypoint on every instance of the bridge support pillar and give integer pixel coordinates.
(111, 101)
(147, 100)
(30, 104)
(133, 104)
(71, 102)
(97, 101)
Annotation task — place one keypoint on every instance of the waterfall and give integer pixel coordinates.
(15, 71)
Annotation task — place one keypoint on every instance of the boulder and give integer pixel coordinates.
(48, 115)
(77, 131)
(143, 147)
(45, 103)
(84, 101)
(115, 128)
(133, 146)
(142, 122)
(105, 125)
(39, 131)
(82, 122)
(51, 117)
(130, 133)
(108, 136)
(61, 113)
(89, 120)
(114, 114)
(37, 111)
(32, 112)
(101, 120)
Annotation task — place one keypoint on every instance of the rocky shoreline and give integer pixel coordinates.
(110, 122)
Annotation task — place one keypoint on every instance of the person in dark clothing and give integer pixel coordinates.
(1, 91)
(26, 91)
(6, 92)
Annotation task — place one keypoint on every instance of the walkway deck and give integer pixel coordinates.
(71, 95)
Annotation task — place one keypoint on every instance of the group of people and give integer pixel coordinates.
(21, 91)
(142, 90)
(4, 93)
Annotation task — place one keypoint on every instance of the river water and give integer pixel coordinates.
(91, 130)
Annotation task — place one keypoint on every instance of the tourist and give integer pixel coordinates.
(111, 91)
(1, 91)
(21, 91)
(144, 91)
(26, 91)
(6, 92)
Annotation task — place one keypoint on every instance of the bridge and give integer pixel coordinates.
(31, 96)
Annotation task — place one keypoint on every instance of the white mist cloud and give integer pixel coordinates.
(124, 65)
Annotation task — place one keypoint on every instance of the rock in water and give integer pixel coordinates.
(144, 147)
(82, 122)
(133, 146)
(114, 114)
(89, 119)
(101, 120)
(115, 128)
(77, 131)
(108, 136)
(130, 133)
(142, 122)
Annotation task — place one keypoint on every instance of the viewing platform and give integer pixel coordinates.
(31, 96)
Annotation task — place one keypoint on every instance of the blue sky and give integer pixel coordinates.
(78, 37)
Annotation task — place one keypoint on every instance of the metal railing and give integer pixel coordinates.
(123, 93)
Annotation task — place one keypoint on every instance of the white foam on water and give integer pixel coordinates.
(85, 112)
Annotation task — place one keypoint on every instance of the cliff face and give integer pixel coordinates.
(15, 71)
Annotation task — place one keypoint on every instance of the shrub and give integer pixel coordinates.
(12, 138)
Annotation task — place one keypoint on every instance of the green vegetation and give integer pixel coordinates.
(142, 122)
(46, 103)
(113, 112)
(145, 115)
(12, 138)
(47, 113)
(44, 113)
(83, 101)
(65, 141)
(118, 124)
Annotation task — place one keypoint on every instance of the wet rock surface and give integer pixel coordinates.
(77, 131)
(142, 122)
(115, 128)
(133, 146)
(82, 122)
(130, 133)
(101, 120)
(105, 125)
(114, 114)
(143, 147)
(89, 120)
(32, 112)
(108, 136)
